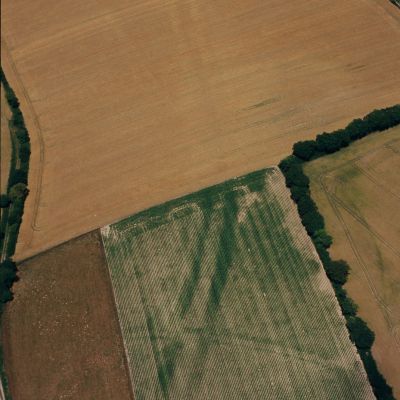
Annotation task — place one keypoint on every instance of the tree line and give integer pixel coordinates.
(338, 270)
(12, 203)
(396, 2)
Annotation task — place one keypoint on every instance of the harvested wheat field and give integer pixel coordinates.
(130, 104)
(220, 295)
(60, 333)
(358, 192)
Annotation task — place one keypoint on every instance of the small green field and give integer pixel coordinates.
(220, 294)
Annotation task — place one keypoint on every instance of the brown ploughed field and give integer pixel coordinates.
(358, 192)
(60, 333)
(130, 104)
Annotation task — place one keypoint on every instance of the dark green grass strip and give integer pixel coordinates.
(226, 248)
(191, 283)
(158, 215)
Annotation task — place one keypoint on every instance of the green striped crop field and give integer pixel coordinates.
(221, 295)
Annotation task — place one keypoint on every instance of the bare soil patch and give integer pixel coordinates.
(135, 103)
(60, 333)
(358, 192)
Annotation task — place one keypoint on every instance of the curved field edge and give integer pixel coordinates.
(299, 185)
(12, 204)
(14, 200)
(215, 288)
(114, 137)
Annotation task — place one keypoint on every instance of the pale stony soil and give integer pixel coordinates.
(130, 104)
(358, 192)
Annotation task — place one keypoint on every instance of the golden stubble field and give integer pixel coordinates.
(358, 193)
(130, 104)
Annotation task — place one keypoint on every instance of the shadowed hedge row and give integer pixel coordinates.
(337, 270)
(12, 203)
(396, 2)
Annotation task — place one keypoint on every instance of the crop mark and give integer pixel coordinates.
(364, 223)
(257, 302)
(223, 263)
(226, 249)
(335, 204)
(191, 282)
(368, 175)
(264, 103)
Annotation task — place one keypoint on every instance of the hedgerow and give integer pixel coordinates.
(337, 271)
(13, 204)
(13, 201)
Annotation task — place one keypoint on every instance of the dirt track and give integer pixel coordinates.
(131, 104)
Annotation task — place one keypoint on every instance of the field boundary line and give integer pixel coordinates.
(115, 307)
(381, 303)
(154, 344)
(321, 180)
(39, 134)
(301, 185)
(306, 239)
(362, 221)
(389, 146)
(374, 180)
(335, 203)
